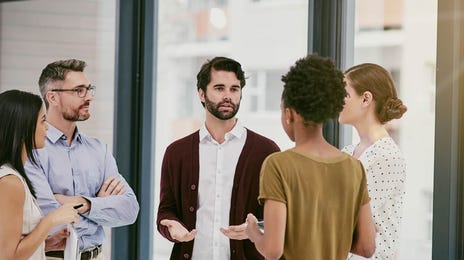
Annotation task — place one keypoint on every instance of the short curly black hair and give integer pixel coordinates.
(314, 87)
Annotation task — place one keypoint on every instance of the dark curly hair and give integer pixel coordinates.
(314, 87)
(377, 80)
(219, 63)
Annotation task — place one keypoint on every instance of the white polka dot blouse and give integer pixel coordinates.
(385, 173)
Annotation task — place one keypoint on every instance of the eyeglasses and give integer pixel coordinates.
(80, 91)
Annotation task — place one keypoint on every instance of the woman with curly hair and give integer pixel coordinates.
(316, 204)
(23, 229)
(371, 102)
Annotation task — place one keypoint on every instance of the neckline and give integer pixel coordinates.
(370, 146)
(336, 159)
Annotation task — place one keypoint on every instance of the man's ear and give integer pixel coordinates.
(51, 97)
(201, 95)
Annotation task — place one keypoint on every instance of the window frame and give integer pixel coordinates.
(134, 120)
(330, 33)
(448, 192)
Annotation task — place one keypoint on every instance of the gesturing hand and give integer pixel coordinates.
(75, 200)
(252, 229)
(237, 232)
(178, 231)
(64, 214)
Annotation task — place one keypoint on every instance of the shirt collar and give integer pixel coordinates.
(53, 134)
(239, 131)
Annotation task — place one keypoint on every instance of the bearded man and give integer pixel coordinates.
(210, 178)
(76, 168)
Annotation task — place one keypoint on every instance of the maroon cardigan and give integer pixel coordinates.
(179, 190)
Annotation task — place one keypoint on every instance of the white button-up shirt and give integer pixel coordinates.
(217, 170)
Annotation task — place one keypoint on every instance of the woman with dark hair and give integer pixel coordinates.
(316, 204)
(23, 230)
(371, 102)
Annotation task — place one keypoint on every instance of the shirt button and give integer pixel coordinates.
(186, 255)
(191, 209)
(193, 187)
(233, 251)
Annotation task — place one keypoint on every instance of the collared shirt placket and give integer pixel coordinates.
(218, 198)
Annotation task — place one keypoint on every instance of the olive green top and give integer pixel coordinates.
(323, 198)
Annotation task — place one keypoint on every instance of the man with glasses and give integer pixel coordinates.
(74, 167)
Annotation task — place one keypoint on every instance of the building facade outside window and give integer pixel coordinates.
(266, 36)
(191, 32)
(402, 38)
(35, 33)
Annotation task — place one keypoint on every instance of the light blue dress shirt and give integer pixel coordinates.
(80, 170)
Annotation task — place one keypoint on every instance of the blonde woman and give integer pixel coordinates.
(370, 103)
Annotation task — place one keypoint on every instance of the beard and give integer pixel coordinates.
(75, 114)
(214, 109)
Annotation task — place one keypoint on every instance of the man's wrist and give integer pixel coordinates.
(87, 205)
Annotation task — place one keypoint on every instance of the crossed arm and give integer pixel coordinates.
(114, 204)
(111, 186)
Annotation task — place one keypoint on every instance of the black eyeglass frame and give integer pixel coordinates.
(79, 90)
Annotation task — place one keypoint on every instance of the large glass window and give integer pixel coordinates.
(266, 37)
(401, 36)
(35, 33)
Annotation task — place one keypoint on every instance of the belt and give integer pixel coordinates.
(86, 254)
(91, 253)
